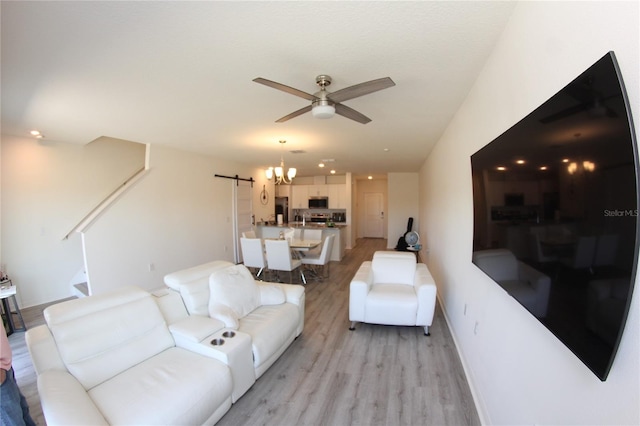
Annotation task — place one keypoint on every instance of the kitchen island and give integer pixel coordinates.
(339, 241)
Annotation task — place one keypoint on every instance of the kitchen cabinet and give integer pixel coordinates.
(337, 196)
(318, 190)
(299, 197)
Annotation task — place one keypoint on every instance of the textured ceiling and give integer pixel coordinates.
(179, 74)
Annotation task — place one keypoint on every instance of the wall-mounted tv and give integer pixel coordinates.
(568, 249)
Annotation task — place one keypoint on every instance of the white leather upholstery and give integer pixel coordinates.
(253, 254)
(322, 258)
(527, 285)
(392, 289)
(116, 362)
(312, 234)
(279, 257)
(249, 234)
(246, 305)
(193, 285)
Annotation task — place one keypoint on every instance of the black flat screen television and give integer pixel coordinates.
(568, 249)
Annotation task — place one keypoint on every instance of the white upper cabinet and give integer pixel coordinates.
(299, 197)
(337, 196)
(318, 190)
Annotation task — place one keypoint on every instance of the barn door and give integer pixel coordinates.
(243, 214)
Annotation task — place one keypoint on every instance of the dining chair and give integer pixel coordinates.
(322, 259)
(290, 234)
(312, 234)
(279, 258)
(249, 234)
(253, 254)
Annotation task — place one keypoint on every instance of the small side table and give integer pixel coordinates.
(8, 294)
(416, 251)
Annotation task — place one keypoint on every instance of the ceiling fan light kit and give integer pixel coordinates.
(325, 104)
(323, 111)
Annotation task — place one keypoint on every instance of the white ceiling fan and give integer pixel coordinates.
(324, 104)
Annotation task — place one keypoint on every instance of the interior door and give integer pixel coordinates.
(373, 215)
(243, 215)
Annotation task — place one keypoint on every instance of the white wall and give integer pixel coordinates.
(174, 217)
(47, 188)
(519, 372)
(403, 204)
(178, 216)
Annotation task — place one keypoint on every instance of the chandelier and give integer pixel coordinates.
(279, 171)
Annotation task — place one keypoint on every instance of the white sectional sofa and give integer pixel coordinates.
(177, 356)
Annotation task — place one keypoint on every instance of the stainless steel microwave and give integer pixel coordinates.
(318, 202)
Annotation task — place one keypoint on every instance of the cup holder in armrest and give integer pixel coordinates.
(217, 342)
(229, 334)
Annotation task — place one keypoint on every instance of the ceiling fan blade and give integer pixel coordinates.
(360, 89)
(285, 88)
(294, 114)
(351, 113)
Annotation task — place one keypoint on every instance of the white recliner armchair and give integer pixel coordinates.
(526, 284)
(392, 289)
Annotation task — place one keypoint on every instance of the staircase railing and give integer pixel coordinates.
(93, 214)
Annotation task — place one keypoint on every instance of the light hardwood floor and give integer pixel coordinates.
(375, 375)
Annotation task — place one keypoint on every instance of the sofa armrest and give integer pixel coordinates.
(358, 290)
(43, 350)
(224, 314)
(292, 293)
(426, 291)
(65, 401)
(194, 329)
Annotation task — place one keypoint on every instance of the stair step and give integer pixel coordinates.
(82, 289)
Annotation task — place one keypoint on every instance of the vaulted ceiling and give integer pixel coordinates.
(180, 74)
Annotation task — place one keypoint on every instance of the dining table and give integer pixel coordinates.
(299, 246)
(304, 245)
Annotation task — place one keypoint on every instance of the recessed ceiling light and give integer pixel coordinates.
(321, 165)
(501, 168)
(520, 161)
(333, 172)
(543, 167)
(565, 160)
(386, 150)
(370, 177)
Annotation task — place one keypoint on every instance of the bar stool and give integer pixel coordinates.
(8, 294)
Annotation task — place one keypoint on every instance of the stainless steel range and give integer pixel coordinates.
(320, 217)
